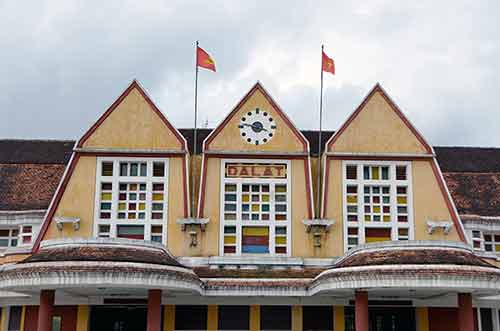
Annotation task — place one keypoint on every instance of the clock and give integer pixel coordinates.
(257, 127)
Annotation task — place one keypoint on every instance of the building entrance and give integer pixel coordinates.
(392, 319)
(385, 318)
(118, 318)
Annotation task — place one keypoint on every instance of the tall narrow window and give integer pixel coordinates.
(131, 198)
(377, 202)
(255, 208)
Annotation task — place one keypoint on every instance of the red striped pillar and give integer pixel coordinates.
(361, 310)
(154, 310)
(45, 310)
(465, 312)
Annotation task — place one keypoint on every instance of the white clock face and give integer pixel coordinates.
(257, 127)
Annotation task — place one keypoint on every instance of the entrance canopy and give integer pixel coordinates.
(93, 264)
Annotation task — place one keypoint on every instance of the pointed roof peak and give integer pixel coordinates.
(134, 84)
(378, 88)
(257, 86)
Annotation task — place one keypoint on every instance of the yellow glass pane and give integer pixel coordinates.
(376, 239)
(280, 241)
(255, 231)
(131, 216)
(281, 188)
(105, 196)
(376, 209)
(387, 218)
(367, 218)
(255, 207)
(352, 199)
(142, 206)
(497, 248)
(375, 173)
(265, 197)
(229, 239)
(245, 198)
(121, 206)
(157, 196)
(133, 187)
(230, 187)
(402, 200)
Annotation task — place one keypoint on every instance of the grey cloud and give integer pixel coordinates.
(63, 62)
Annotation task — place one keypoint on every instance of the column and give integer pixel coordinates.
(82, 318)
(212, 317)
(465, 312)
(254, 318)
(361, 310)
(154, 310)
(169, 318)
(338, 318)
(45, 310)
(297, 318)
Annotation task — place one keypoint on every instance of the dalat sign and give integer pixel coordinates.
(241, 170)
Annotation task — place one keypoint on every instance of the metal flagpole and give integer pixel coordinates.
(319, 136)
(193, 212)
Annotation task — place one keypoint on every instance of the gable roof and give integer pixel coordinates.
(378, 88)
(257, 87)
(134, 85)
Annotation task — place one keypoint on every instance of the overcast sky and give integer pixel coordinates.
(62, 63)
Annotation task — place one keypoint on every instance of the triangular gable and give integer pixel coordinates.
(378, 126)
(227, 136)
(133, 121)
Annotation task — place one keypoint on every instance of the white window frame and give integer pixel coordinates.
(11, 237)
(392, 182)
(115, 180)
(271, 223)
(493, 242)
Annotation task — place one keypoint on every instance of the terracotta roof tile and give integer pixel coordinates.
(475, 193)
(103, 253)
(413, 257)
(28, 186)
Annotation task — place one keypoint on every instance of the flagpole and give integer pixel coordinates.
(319, 137)
(193, 212)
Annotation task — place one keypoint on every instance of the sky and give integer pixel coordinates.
(62, 63)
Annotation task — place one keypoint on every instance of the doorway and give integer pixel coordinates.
(118, 318)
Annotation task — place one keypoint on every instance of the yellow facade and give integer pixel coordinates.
(133, 125)
(378, 129)
(228, 138)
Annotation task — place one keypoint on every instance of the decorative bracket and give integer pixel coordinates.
(192, 223)
(61, 220)
(317, 227)
(433, 225)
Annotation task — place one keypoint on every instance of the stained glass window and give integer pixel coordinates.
(255, 210)
(132, 198)
(377, 202)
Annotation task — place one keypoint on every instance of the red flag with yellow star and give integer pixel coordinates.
(204, 60)
(327, 64)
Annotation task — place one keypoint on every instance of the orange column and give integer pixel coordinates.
(465, 312)
(154, 310)
(45, 310)
(361, 310)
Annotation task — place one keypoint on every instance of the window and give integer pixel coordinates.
(255, 208)
(234, 318)
(377, 202)
(275, 318)
(491, 242)
(317, 318)
(477, 240)
(9, 237)
(190, 317)
(131, 198)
